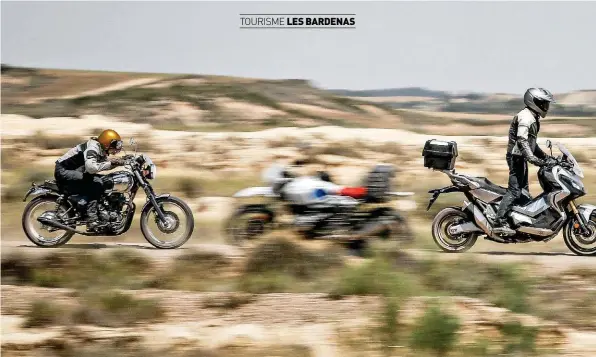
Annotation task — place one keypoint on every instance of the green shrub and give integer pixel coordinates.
(267, 283)
(16, 268)
(388, 330)
(505, 285)
(519, 338)
(43, 313)
(281, 255)
(374, 278)
(115, 309)
(195, 271)
(435, 331)
(76, 269)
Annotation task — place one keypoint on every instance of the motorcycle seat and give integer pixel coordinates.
(488, 185)
(51, 185)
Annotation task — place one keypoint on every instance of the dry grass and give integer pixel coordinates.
(44, 313)
(116, 309)
(48, 142)
(196, 271)
(228, 301)
(105, 308)
(63, 269)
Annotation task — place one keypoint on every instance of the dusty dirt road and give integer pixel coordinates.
(548, 261)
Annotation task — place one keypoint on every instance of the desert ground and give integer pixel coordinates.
(211, 136)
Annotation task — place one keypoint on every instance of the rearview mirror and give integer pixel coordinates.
(132, 141)
(549, 145)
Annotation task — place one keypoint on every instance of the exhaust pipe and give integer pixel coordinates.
(54, 224)
(483, 223)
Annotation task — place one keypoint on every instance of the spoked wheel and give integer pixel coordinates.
(444, 220)
(247, 225)
(579, 243)
(174, 230)
(40, 234)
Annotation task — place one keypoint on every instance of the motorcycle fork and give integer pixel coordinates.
(581, 222)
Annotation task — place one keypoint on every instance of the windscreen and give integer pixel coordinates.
(576, 169)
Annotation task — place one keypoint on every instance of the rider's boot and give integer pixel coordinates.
(501, 227)
(92, 216)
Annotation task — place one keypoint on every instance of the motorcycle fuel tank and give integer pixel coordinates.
(123, 181)
(308, 190)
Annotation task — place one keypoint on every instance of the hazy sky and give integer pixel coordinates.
(480, 46)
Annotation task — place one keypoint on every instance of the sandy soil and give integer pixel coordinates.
(247, 110)
(556, 261)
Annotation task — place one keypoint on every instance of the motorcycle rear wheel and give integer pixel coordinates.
(257, 222)
(443, 220)
(30, 224)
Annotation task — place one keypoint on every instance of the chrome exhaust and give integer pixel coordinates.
(58, 225)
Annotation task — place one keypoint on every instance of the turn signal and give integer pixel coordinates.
(576, 225)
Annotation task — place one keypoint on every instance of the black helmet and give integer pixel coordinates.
(538, 100)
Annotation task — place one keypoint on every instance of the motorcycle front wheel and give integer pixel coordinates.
(578, 243)
(172, 232)
(445, 219)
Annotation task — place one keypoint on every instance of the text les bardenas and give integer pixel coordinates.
(296, 21)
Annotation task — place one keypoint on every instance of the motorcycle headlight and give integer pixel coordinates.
(150, 172)
(153, 171)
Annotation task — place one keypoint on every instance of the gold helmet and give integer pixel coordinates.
(110, 141)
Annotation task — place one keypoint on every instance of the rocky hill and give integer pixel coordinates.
(219, 103)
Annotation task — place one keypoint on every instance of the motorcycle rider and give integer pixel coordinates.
(522, 148)
(77, 171)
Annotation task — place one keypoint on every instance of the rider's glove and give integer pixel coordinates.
(117, 161)
(550, 162)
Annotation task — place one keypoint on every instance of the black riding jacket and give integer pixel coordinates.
(89, 155)
(523, 134)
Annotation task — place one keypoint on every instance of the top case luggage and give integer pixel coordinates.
(440, 155)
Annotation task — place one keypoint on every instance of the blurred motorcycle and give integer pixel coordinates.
(166, 221)
(317, 208)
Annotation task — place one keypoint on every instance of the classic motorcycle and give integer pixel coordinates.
(317, 208)
(62, 212)
(538, 219)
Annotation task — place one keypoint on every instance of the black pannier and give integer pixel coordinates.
(378, 182)
(439, 155)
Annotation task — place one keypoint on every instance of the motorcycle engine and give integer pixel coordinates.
(111, 209)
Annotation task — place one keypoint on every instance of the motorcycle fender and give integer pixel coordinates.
(36, 191)
(586, 210)
(255, 191)
(438, 191)
(165, 195)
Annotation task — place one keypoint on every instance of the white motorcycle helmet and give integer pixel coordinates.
(538, 100)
